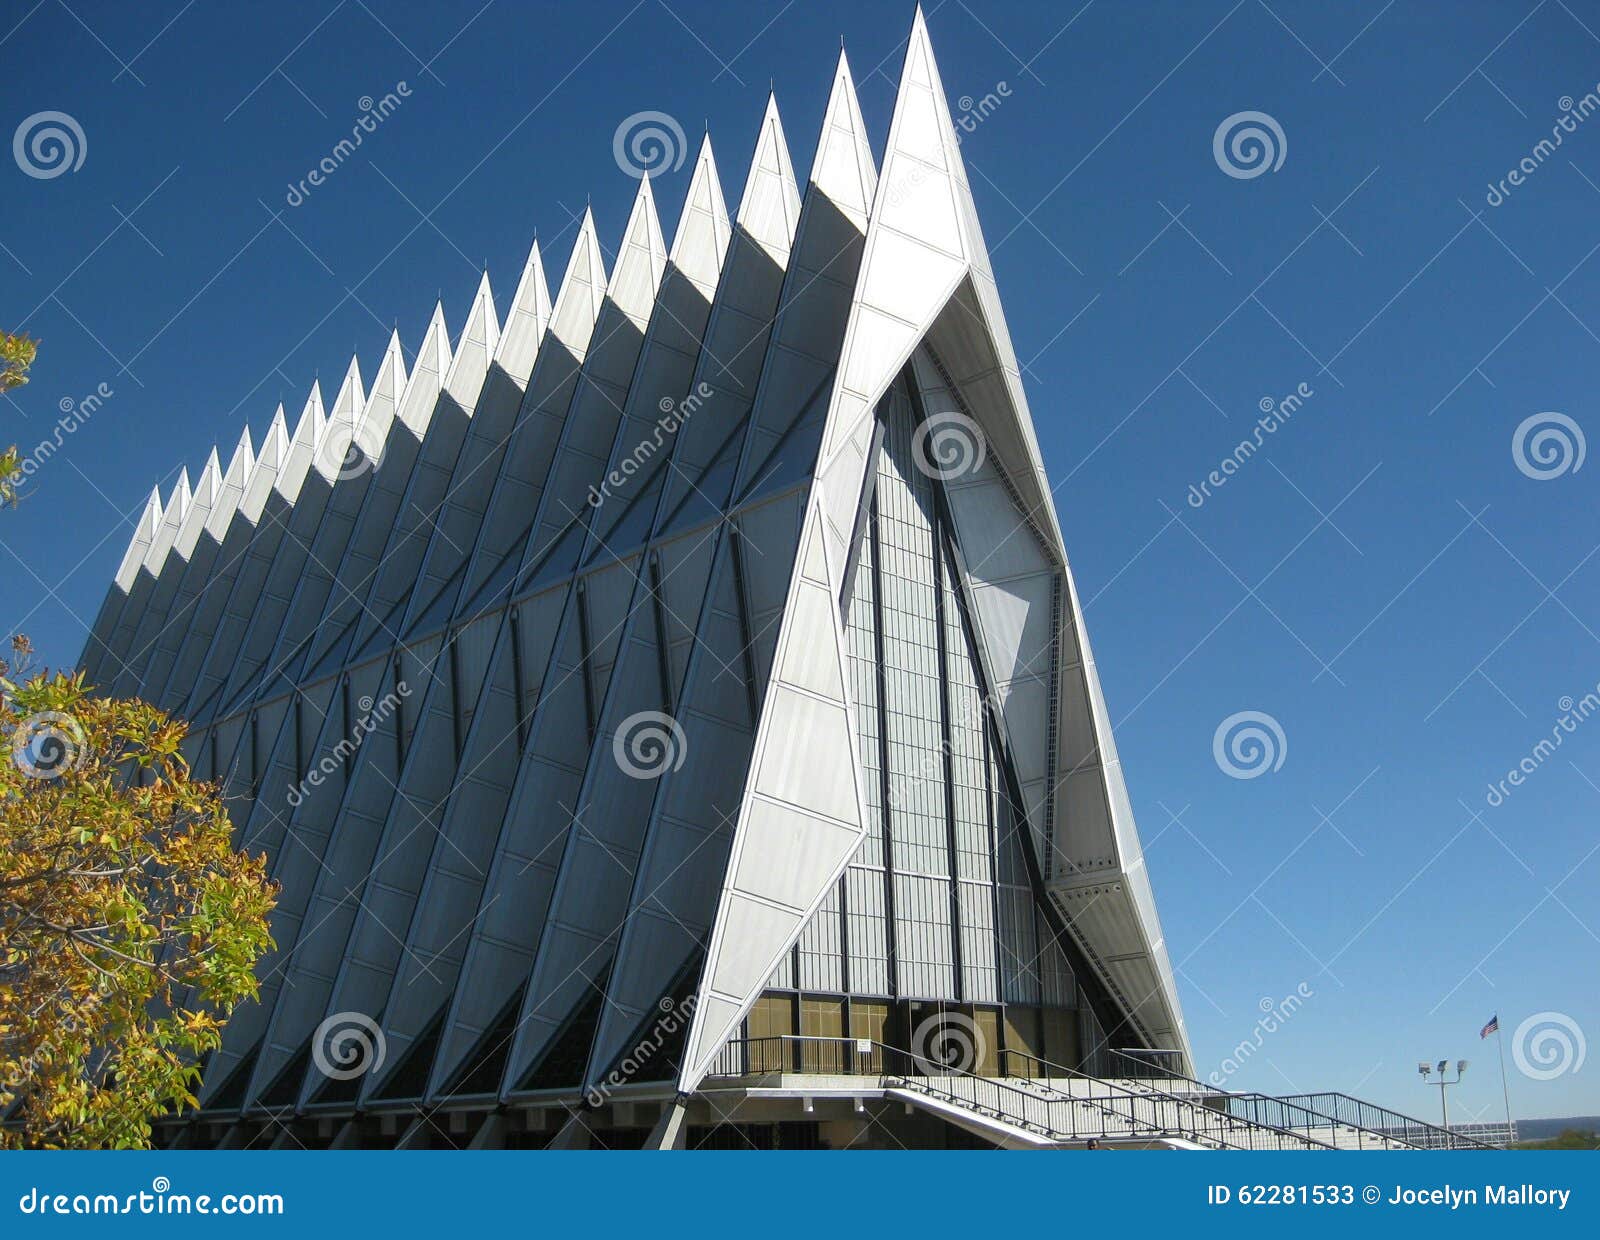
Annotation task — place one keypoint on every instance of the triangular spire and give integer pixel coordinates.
(583, 287)
(427, 375)
(240, 468)
(770, 209)
(703, 227)
(313, 419)
(201, 503)
(476, 346)
(641, 258)
(308, 433)
(383, 400)
(144, 533)
(913, 258)
(269, 462)
(917, 252)
(275, 443)
(172, 518)
(343, 424)
(843, 168)
(526, 323)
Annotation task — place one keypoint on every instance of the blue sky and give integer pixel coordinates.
(1381, 578)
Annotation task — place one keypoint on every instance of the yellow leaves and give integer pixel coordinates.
(118, 901)
(17, 351)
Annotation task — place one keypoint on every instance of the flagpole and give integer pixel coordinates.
(1500, 1044)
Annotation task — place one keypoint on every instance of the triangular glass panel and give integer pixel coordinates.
(485, 1064)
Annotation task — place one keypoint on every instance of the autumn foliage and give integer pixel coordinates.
(129, 925)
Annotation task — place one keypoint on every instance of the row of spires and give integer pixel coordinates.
(359, 420)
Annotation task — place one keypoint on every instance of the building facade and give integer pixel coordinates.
(667, 709)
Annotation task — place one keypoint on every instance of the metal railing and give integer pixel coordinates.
(1264, 1110)
(1087, 1108)
(1374, 1126)
(1368, 1116)
(808, 1055)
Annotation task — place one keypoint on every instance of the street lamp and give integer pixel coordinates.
(1443, 1068)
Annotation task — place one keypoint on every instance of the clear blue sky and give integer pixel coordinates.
(1381, 578)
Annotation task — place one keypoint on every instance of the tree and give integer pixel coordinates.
(129, 925)
(17, 352)
(1570, 1139)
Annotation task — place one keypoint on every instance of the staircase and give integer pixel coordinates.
(1066, 1112)
(1343, 1121)
(1039, 1104)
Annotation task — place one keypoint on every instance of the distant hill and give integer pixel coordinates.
(1548, 1129)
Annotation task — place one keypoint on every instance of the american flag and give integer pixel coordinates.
(1492, 1027)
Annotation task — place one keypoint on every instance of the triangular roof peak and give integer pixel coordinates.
(641, 258)
(703, 228)
(313, 417)
(205, 490)
(240, 468)
(178, 501)
(144, 533)
(269, 461)
(308, 433)
(917, 244)
(390, 381)
(343, 425)
(172, 518)
(583, 288)
(477, 345)
(769, 210)
(383, 400)
(526, 323)
(843, 168)
(204, 499)
(352, 397)
(427, 375)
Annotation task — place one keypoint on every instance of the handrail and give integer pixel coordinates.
(1418, 1132)
(1120, 1110)
(1346, 1110)
(1291, 1115)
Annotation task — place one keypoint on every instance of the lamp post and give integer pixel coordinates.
(1443, 1068)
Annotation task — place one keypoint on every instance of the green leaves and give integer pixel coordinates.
(129, 927)
(16, 355)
